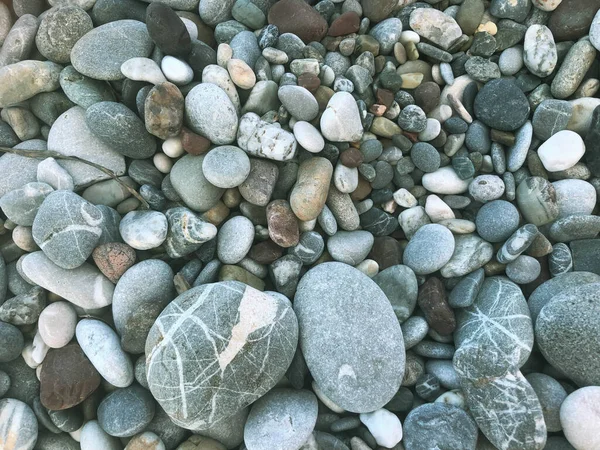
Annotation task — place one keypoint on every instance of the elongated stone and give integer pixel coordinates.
(310, 193)
(25, 79)
(537, 202)
(540, 54)
(573, 69)
(517, 243)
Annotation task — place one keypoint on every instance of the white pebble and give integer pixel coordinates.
(562, 151)
(580, 418)
(437, 209)
(191, 27)
(307, 225)
(76, 435)
(384, 426)
(173, 147)
(39, 349)
(177, 71)
(325, 400)
(405, 198)
(224, 54)
(93, 437)
(142, 69)
(308, 136)
(27, 353)
(409, 36)
(345, 178)
(445, 181)
(454, 398)
(162, 162)
(57, 324)
(431, 131)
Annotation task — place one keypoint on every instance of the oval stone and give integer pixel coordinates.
(19, 426)
(354, 349)
(203, 349)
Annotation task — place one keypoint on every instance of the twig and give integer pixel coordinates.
(52, 154)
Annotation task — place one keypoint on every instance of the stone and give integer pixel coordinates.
(573, 310)
(540, 55)
(82, 90)
(595, 32)
(501, 105)
(340, 122)
(560, 260)
(57, 323)
(282, 418)
(101, 345)
(433, 302)
(121, 129)
(515, 10)
(552, 152)
(536, 198)
(22, 205)
(338, 375)
(579, 419)
(439, 425)
(259, 138)
(551, 395)
(100, 53)
(113, 259)
(207, 105)
(310, 192)
(146, 440)
(425, 157)
(523, 270)
(260, 184)
(187, 232)
(24, 309)
(53, 174)
(350, 247)
(574, 197)
(235, 239)
(485, 188)
(140, 295)
(282, 224)
(573, 69)
(245, 47)
(445, 181)
(550, 117)
(412, 119)
(176, 70)
(144, 230)
(67, 378)
(571, 19)
(167, 30)
(470, 253)
(164, 111)
(572, 228)
(19, 40)
(24, 384)
(497, 220)
(422, 255)
(308, 137)
(200, 303)
(299, 18)
(25, 79)
(309, 248)
(20, 426)
(346, 23)
(66, 137)
(467, 289)
(14, 342)
(92, 435)
(378, 222)
(399, 284)
(384, 426)
(126, 412)
(299, 102)
(434, 25)
(59, 30)
(226, 166)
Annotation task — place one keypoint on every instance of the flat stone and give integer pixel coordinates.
(84, 91)
(191, 184)
(339, 374)
(200, 303)
(525, 269)
(429, 249)
(350, 247)
(445, 181)
(126, 412)
(167, 30)
(550, 117)
(100, 53)
(434, 25)
(500, 104)
(67, 378)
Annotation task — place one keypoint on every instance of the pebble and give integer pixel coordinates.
(573, 69)
(295, 16)
(340, 122)
(235, 239)
(144, 230)
(399, 284)
(501, 105)
(445, 181)
(429, 249)
(540, 55)
(143, 69)
(536, 198)
(384, 426)
(471, 252)
(164, 110)
(308, 137)
(550, 117)
(552, 153)
(126, 412)
(20, 426)
(350, 247)
(191, 184)
(551, 395)
(299, 102)
(425, 157)
(176, 70)
(167, 30)
(579, 419)
(435, 26)
(523, 270)
(93, 436)
(497, 220)
(226, 166)
(485, 188)
(260, 138)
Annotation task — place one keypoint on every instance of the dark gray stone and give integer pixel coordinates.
(467, 289)
(478, 138)
(500, 104)
(378, 222)
(550, 117)
(13, 342)
(425, 157)
(412, 119)
(187, 232)
(309, 248)
(24, 309)
(125, 412)
(586, 255)
(551, 395)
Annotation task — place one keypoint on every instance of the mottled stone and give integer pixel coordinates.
(211, 113)
(429, 249)
(164, 110)
(433, 302)
(19, 429)
(282, 224)
(470, 253)
(500, 104)
(536, 198)
(113, 259)
(144, 229)
(434, 25)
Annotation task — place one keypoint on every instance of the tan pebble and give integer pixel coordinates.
(310, 192)
(23, 238)
(411, 80)
(162, 162)
(490, 27)
(216, 214)
(145, 441)
(282, 223)
(400, 53)
(241, 73)
(232, 198)
(224, 54)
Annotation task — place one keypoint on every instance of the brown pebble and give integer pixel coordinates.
(427, 96)
(193, 143)
(67, 378)
(503, 137)
(113, 259)
(433, 302)
(385, 97)
(299, 18)
(309, 81)
(347, 23)
(362, 190)
(217, 214)
(282, 223)
(540, 246)
(351, 157)
(310, 192)
(265, 252)
(163, 110)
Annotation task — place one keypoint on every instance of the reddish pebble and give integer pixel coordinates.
(113, 259)
(309, 81)
(385, 97)
(193, 143)
(299, 18)
(265, 252)
(283, 224)
(347, 23)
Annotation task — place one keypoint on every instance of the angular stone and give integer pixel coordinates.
(470, 253)
(163, 110)
(113, 259)
(260, 138)
(23, 80)
(434, 25)
(187, 232)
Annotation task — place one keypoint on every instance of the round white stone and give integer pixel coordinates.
(437, 209)
(562, 151)
(445, 181)
(177, 71)
(162, 162)
(172, 147)
(431, 131)
(308, 137)
(580, 418)
(57, 323)
(384, 426)
(345, 178)
(405, 198)
(93, 437)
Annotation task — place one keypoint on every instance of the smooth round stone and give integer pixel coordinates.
(211, 113)
(67, 228)
(536, 198)
(567, 332)
(309, 248)
(560, 260)
(140, 295)
(399, 284)
(226, 166)
(445, 181)
(485, 188)
(167, 29)
(350, 247)
(191, 184)
(574, 197)
(299, 102)
(523, 270)
(340, 362)
(176, 70)
(414, 330)
(497, 220)
(82, 90)
(177, 387)
(284, 418)
(439, 425)
(22, 205)
(340, 122)
(144, 230)
(412, 119)
(235, 239)
(126, 412)
(94, 437)
(146, 440)
(553, 155)
(100, 53)
(59, 30)
(500, 306)
(57, 324)
(308, 137)
(511, 60)
(101, 345)
(540, 54)
(19, 429)
(121, 129)
(25, 79)
(425, 157)
(551, 395)
(501, 105)
(429, 249)
(550, 117)
(580, 419)
(13, 342)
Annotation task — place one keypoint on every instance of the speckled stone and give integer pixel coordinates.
(429, 249)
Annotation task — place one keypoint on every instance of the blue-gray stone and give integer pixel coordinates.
(467, 289)
(126, 412)
(496, 221)
(399, 284)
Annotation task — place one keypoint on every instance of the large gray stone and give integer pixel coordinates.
(67, 229)
(140, 295)
(353, 347)
(100, 53)
(203, 349)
